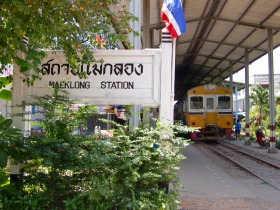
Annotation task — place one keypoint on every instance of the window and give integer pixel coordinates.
(196, 102)
(210, 103)
(224, 102)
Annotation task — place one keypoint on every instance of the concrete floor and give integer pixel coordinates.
(211, 184)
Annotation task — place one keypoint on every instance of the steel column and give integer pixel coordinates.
(135, 9)
(247, 98)
(272, 148)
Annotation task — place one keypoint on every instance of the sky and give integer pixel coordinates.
(260, 66)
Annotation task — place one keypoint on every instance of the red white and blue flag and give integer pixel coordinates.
(172, 15)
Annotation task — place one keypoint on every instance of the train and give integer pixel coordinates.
(209, 109)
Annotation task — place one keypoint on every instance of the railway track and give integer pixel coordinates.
(263, 167)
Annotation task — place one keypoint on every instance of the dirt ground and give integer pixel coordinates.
(210, 183)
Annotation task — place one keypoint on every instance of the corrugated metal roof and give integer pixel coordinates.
(218, 32)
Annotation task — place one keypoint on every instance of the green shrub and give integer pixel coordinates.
(130, 170)
(3, 177)
(7, 132)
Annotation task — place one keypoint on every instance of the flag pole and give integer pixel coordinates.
(173, 76)
(172, 14)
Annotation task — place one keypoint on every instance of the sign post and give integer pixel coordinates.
(166, 97)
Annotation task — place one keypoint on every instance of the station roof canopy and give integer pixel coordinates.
(218, 34)
(238, 85)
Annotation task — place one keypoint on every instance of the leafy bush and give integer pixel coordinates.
(3, 177)
(7, 133)
(130, 170)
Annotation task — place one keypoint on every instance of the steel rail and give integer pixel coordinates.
(257, 160)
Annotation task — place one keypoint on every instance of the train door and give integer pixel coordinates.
(210, 110)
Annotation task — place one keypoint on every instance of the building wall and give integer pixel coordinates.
(262, 80)
(5, 108)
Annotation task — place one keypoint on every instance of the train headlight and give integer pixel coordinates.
(228, 123)
(193, 123)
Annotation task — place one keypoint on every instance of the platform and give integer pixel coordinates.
(256, 148)
(212, 184)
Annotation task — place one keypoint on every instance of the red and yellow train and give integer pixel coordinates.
(210, 109)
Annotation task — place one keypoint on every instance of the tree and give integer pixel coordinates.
(260, 99)
(74, 26)
(277, 100)
(6, 79)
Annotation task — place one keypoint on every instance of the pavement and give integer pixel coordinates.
(211, 184)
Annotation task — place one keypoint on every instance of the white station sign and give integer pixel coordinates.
(123, 77)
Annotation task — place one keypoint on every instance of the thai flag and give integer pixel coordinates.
(172, 15)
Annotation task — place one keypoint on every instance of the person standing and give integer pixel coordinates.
(237, 129)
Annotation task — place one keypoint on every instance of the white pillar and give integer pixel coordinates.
(19, 90)
(167, 97)
(18, 107)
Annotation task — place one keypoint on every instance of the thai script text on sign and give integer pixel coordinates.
(124, 76)
(96, 69)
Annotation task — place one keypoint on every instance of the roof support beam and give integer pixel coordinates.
(205, 66)
(223, 43)
(254, 25)
(210, 57)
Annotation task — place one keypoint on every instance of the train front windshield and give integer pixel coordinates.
(224, 102)
(196, 102)
(210, 103)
